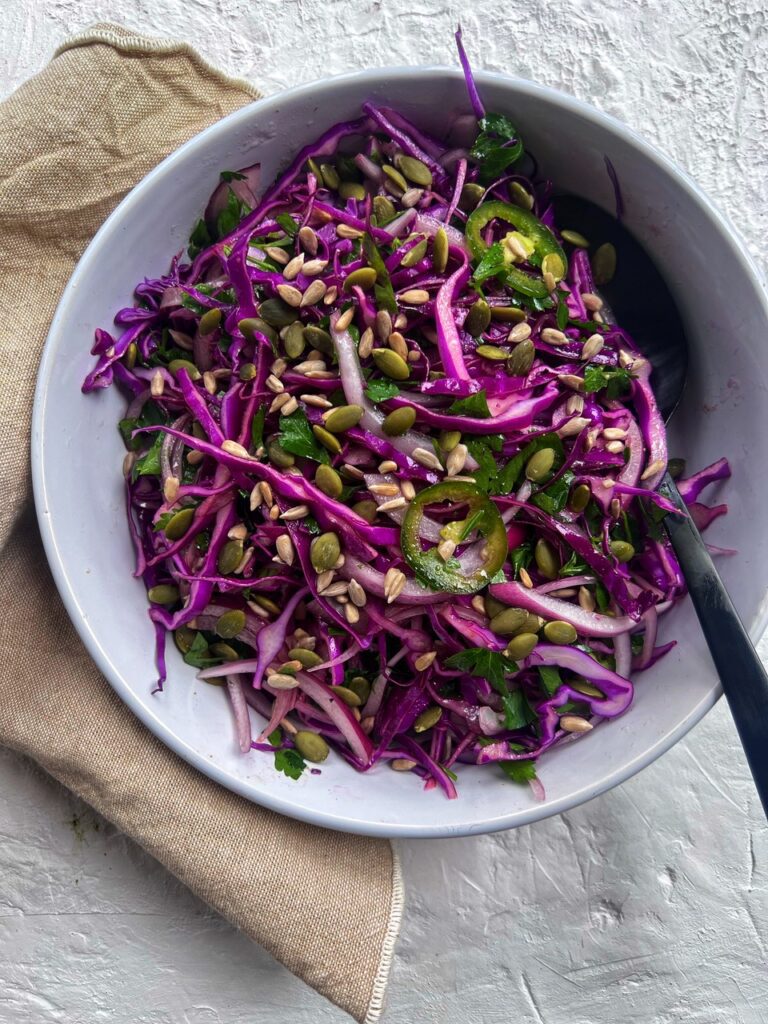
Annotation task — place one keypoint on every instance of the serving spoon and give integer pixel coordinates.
(658, 329)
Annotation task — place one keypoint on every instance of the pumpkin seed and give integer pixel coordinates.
(130, 355)
(349, 697)
(448, 439)
(559, 632)
(440, 251)
(414, 170)
(604, 263)
(294, 341)
(314, 168)
(326, 439)
(330, 176)
(520, 646)
(580, 498)
(395, 177)
(539, 466)
(324, 552)
(492, 352)
(428, 718)
(414, 255)
(366, 509)
(520, 196)
(532, 624)
(230, 557)
(363, 277)
(230, 624)
(224, 651)
(311, 746)
(575, 238)
(521, 360)
(267, 604)
(508, 621)
(342, 418)
(213, 680)
(308, 659)
(399, 421)
(247, 372)
(360, 686)
(546, 559)
(277, 313)
(184, 637)
(209, 321)
(252, 324)
(676, 468)
(588, 689)
(478, 318)
(384, 209)
(318, 338)
(382, 325)
(163, 593)
(622, 550)
(278, 456)
(179, 523)
(493, 606)
(471, 195)
(329, 481)
(391, 364)
(351, 190)
(176, 365)
(508, 314)
(553, 264)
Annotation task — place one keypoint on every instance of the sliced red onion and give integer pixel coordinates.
(271, 638)
(584, 622)
(373, 582)
(339, 714)
(240, 710)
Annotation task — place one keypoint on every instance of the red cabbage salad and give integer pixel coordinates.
(391, 469)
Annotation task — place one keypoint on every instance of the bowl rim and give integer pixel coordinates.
(274, 801)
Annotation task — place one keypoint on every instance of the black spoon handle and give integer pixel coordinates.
(744, 679)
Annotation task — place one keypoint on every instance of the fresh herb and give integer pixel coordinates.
(615, 381)
(474, 405)
(518, 713)
(231, 215)
(493, 262)
(232, 176)
(288, 224)
(521, 557)
(485, 664)
(296, 437)
(498, 577)
(481, 450)
(601, 596)
(497, 146)
(149, 463)
(562, 314)
(381, 390)
(519, 771)
(554, 498)
(311, 525)
(198, 655)
(290, 763)
(257, 427)
(575, 566)
(190, 302)
(383, 290)
(508, 477)
(550, 679)
(199, 239)
(163, 520)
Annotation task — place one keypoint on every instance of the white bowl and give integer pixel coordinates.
(77, 451)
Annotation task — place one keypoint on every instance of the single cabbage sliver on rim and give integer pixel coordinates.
(391, 474)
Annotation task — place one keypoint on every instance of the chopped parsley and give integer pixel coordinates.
(297, 438)
(485, 664)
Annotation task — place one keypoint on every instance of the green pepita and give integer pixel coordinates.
(326, 439)
(315, 169)
(247, 372)
(559, 632)
(471, 196)
(351, 190)
(330, 176)
(184, 637)
(324, 552)
(539, 466)
(440, 251)
(230, 557)
(179, 523)
(575, 238)
(384, 209)
(308, 659)
(131, 354)
(391, 364)
(492, 606)
(224, 651)
(414, 255)
(395, 177)
(622, 550)
(532, 624)
(230, 624)
(399, 421)
(428, 718)
(360, 686)
(328, 481)
(520, 196)
(448, 439)
(553, 264)
(278, 456)
(344, 417)
(267, 604)
(349, 697)
(521, 360)
(277, 313)
(209, 321)
(294, 341)
(212, 680)
(251, 324)
(546, 559)
(163, 593)
(318, 338)
(508, 621)
(587, 689)
(311, 746)
(414, 170)
(604, 263)
(492, 352)
(579, 498)
(508, 314)
(676, 468)
(176, 365)
(363, 277)
(366, 510)
(520, 646)
(478, 318)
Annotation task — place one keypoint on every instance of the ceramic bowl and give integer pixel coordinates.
(77, 451)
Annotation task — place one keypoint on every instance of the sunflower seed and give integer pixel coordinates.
(549, 280)
(284, 548)
(657, 466)
(411, 197)
(317, 401)
(209, 383)
(171, 489)
(520, 332)
(574, 426)
(525, 579)
(297, 512)
(575, 723)
(309, 365)
(445, 549)
(276, 254)
(591, 347)
(586, 600)
(382, 325)
(313, 294)
(615, 447)
(401, 764)
(266, 494)
(314, 267)
(571, 381)
(414, 296)
(397, 343)
(345, 319)
(279, 401)
(616, 512)
(456, 460)
(384, 490)
(233, 448)
(338, 589)
(274, 513)
(255, 499)
(357, 595)
(365, 347)
(409, 491)
(331, 295)
(515, 246)
(592, 302)
(308, 240)
(389, 506)
(426, 458)
(345, 231)
(394, 582)
(275, 384)
(388, 466)
(291, 296)
(614, 434)
(325, 579)
(422, 663)
(157, 384)
(292, 269)
(575, 404)
(353, 472)
(130, 461)
(553, 337)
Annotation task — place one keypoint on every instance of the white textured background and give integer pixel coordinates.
(646, 906)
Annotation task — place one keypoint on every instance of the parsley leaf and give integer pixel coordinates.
(290, 763)
(519, 771)
(474, 405)
(149, 463)
(231, 215)
(383, 290)
(517, 711)
(490, 665)
(288, 224)
(615, 381)
(522, 556)
(487, 470)
(554, 498)
(381, 390)
(257, 427)
(509, 475)
(199, 239)
(601, 596)
(199, 655)
(232, 176)
(562, 314)
(575, 566)
(491, 263)
(296, 437)
(496, 147)
(550, 679)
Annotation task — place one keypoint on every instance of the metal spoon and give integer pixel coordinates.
(656, 326)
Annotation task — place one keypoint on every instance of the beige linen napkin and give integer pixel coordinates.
(73, 141)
